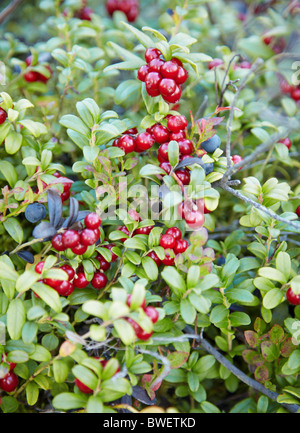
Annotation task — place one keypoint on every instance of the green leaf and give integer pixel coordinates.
(175, 281)
(26, 280)
(272, 274)
(125, 331)
(48, 295)
(16, 317)
(9, 172)
(187, 311)
(13, 142)
(145, 40)
(13, 227)
(69, 401)
(150, 267)
(86, 376)
(94, 405)
(32, 393)
(273, 298)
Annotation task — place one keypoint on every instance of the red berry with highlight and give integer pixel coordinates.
(92, 221)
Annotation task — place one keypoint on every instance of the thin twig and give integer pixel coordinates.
(9, 9)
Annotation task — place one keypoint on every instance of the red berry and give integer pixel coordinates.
(160, 133)
(139, 332)
(163, 152)
(70, 238)
(129, 300)
(292, 297)
(152, 313)
(285, 87)
(154, 257)
(177, 123)
(167, 86)
(104, 264)
(80, 280)
(174, 97)
(65, 196)
(31, 76)
(131, 131)
(57, 243)
(169, 70)
(79, 250)
(89, 237)
(166, 166)
(168, 260)
(39, 267)
(144, 141)
(298, 211)
(143, 230)
(99, 280)
(152, 53)
(92, 221)
(194, 219)
(175, 232)
(82, 387)
(155, 65)
(183, 176)
(69, 270)
(86, 14)
(153, 93)
(125, 230)
(52, 282)
(181, 246)
(295, 94)
(186, 147)
(153, 80)
(182, 75)
(287, 142)
(178, 136)
(127, 143)
(10, 382)
(3, 116)
(65, 288)
(236, 159)
(167, 241)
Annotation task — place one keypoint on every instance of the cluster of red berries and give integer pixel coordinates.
(129, 7)
(3, 116)
(131, 141)
(173, 244)
(10, 381)
(63, 288)
(85, 389)
(32, 76)
(162, 77)
(175, 130)
(288, 89)
(79, 240)
(151, 312)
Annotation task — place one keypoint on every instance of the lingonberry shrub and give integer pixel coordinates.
(150, 205)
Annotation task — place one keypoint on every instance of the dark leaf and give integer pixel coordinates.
(81, 215)
(141, 395)
(73, 213)
(189, 161)
(44, 231)
(54, 207)
(27, 256)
